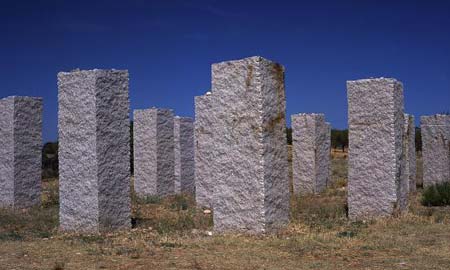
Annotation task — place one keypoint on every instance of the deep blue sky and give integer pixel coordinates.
(168, 47)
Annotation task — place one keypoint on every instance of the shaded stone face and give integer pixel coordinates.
(435, 148)
(154, 158)
(21, 151)
(407, 174)
(94, 150)
(203, 145)
(410, 151)
(311, 142)
(184, 155)
(326, 150)
(376, 163)
(250, 169)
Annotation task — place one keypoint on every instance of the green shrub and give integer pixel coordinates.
(10, 236)
(149, 199)
(437, 195)
(180, 202)
(50, 160)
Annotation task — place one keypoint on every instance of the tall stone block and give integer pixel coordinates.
(154, 156)
(184, 155)
(311, 141)
(20, 151)
(410, 151)
(94, 150)
(376, 165)
(250, 169)
(327, 153)
(204, 145)
(435, 148)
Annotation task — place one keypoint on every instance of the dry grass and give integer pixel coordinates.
(172, 234)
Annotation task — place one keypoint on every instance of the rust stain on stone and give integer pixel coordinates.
(279, 72)
(272, 123)
(249, 78)
(279, 77)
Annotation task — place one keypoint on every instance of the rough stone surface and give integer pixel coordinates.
(21, 151)
(94, 150)
(326, 150)
(311, 142)
(404, 184)
(203, 144)
(154, 172)
(184, 155)
(435, 148)
(410, 151)
(250, 169)
(376, 163)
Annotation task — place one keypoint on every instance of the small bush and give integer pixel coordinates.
(51, 198)
(180, 202)
(150, 199)
(437, 195)
(10, 236)
(347, 234)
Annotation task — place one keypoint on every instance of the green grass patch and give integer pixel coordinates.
(437, 195)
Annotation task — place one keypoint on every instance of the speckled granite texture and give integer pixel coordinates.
(203, 144)
(184, 155)
(311, 141)
(94, 150)
(154, 156)
(250, 168)
(410, 151)
(435, 148)
(326, 150)
(21, 151)
(376, 165)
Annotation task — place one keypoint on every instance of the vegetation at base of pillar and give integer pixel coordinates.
(437, 195)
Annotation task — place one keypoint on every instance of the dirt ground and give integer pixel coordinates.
(173, 234)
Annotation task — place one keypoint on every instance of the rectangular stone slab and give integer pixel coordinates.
(20, 151)
(410, 151)
(94, 150)
(184, 155)
(435, 148)
(154, 156)
(326, 148)
(250, 169)
(376, 163)
(204, 144)
(311, 141)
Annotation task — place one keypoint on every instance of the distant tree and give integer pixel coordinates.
(344, 139)
(50, 160)
(289, 135)
(339, 139)
(418, 139)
